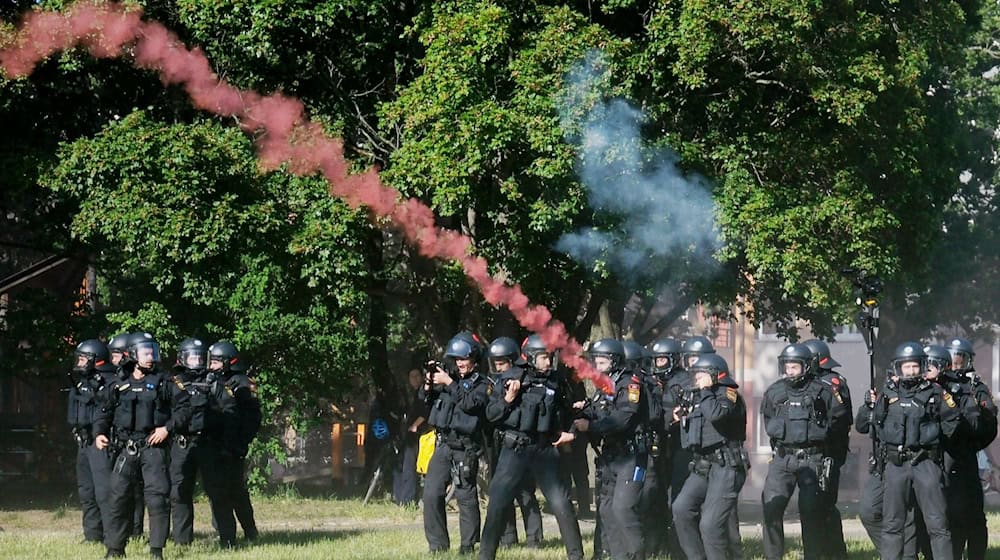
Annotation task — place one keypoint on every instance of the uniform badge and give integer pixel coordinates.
(253, 389)
(229, 390)
(633, 393)
(489, 390)
(893, 399)
(949, 400)
(731, 394)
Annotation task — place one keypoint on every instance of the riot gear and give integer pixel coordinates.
(611, 349)
(192, 354)
(666, 348)
(796, 354)
(909, 352)
(961, 350)
(90, 355)
(634, 354)
(117, 346)
(694, 347)
(712, 364)
(226, 352)
(821, 355)
(503, 349)
(938, 356)
(532, 347)
(143, 348)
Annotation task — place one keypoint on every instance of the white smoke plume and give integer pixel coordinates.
(647, 210)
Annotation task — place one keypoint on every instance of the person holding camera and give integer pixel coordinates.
(532, 409)
(457, 404)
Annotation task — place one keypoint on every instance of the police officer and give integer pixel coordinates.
(140, 415)
(798, 411)
(952, 369)
(912, 421)
(117, 347)
(457, 404)
(188, 377)
(712, 428)
(654, 501)
(532, 410)
(672, 460)
(618, 421)
(503, 354)
(838, 444)
(232, 419)
(91, 372)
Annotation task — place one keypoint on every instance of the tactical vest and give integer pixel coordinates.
(801, 417)
(139, 408)
(535, 412)
(199, 399)
(911, 419)
(654, 402)
(699, 433)
(445, 414)
(220, 406)
(84, 403)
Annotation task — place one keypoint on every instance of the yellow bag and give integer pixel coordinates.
(425, 451)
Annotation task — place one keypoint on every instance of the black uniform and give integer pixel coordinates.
(838, 444)
(528, 426)
(798, 421)
(185, 453)
(135, 408)
(713, 432)
(655, 500)
(676, 459)
(232, 419)
(911, 423)
(977, 429)
(93, 466)
(456, 411)
(617, 420)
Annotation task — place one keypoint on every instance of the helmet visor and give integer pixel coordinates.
(194, 359)
(147, 352)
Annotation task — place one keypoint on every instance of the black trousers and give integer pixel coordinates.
(655, 505)
(704, 512)
(93, 484)
(540, 461)
(439, 475)
(783, 475)
(622, 479)
(222, 477)
(531, 513)
(184, 467)
(966, 516)
(151, 463)
(404, 478)
(905, 487)
(576, 472)
(833, 545)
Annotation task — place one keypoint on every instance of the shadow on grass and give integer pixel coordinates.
(301, 537)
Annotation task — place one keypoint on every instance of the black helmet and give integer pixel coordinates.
(226, 352)
(142, 344)
(960, 347)
(464, 348)
(821, 355)
(905, 353)
(666, 348)
(938, 356)
(713, 364)
(611, 349)
(473, 340)
(503, 348)
(634, 354)
(694, 347)
(532, 346)
(796, 354)
(118, 343)
(192, 354)
(90, 355)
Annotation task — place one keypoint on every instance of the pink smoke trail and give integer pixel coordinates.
(288, 137)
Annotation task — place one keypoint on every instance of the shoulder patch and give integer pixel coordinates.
(893, 399)
(253, 388)
(633, 392)
(731, 394)
(229, 391)
(948, 399)
(179, 383)
(489, 389)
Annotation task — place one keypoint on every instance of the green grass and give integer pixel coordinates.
(312, 528)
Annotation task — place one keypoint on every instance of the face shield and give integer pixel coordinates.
(194, 358)
(146, 354)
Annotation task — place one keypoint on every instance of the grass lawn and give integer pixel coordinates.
(294, 527)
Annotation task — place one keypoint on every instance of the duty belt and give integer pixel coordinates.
(185, 440)
(898, 456)
(454, 440)
(518, 440)
(82, 437)
(799, 452)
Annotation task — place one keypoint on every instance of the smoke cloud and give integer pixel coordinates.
(285, 136)
(653, 210)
